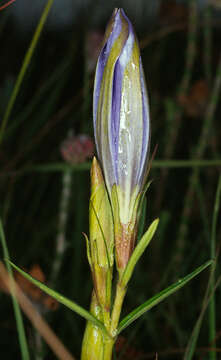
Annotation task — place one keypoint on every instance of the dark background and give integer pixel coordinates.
(180, 46)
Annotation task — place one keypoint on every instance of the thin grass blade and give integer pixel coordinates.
(26, 62)
(17, 311)
(212, 305)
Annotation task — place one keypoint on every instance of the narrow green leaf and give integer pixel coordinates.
(210, 292)
(191, 346)
(38, 97)
(212, 305)
(156, 299)
(138, 251)
(24, 67)
(62, 299)
(17, 311)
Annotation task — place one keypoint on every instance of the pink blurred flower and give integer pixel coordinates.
(77, 149)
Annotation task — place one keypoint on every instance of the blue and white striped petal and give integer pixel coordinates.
(121, 113)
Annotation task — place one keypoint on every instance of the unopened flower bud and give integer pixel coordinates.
(121, 125)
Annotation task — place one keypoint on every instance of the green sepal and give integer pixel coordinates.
(101, 240)
(138, 251)
(62, 299)
(100, 218)
(107, 249)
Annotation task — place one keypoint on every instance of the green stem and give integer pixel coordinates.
(96, 345)
(108, 349)
(118, 302)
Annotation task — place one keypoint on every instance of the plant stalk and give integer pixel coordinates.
(96, 345)
(118, 302)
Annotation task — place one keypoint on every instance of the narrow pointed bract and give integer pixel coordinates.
(121, 125)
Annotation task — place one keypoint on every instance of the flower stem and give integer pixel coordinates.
(119, 298)
(108, 349)
(96, 345)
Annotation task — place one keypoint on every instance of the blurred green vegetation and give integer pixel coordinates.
(182, 63)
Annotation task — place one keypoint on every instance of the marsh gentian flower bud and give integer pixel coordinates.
(121, 124)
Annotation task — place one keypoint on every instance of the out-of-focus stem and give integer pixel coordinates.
(62, 223)
(61, 235)
(208, 44)
(39, 349)
(202, 143)
(182, 91)
(212, 304)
